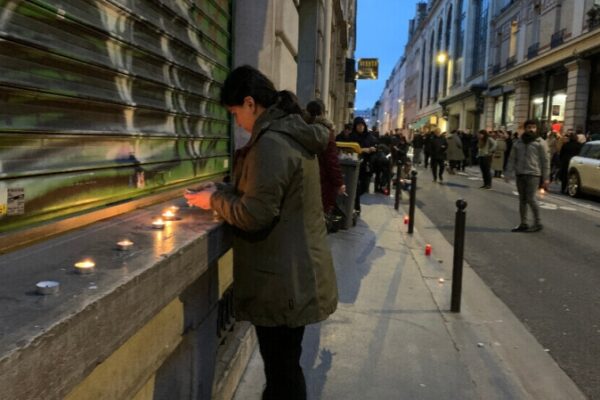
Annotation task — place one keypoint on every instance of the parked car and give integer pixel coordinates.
(584, 170)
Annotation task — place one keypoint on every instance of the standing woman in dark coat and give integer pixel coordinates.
(282, 265)
(332, 181)
(485, 150)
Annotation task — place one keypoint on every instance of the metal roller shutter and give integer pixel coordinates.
(108, 100)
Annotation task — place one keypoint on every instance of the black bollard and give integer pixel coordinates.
(413, 199)
(398, 190)
(459, 248)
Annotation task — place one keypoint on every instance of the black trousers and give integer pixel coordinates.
(280, 348)
(437, 169)
(485, 164)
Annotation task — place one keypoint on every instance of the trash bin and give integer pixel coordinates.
(350, 165)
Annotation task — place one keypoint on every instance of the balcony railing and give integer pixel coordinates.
(594, 17)
(532, 51)
(557, 38)
(496, 69)
(511, 61)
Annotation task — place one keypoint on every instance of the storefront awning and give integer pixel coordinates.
(420, 123)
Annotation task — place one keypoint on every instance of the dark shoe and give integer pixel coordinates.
(482, 187)
(520, 228)
(488, 187)
(535, 228)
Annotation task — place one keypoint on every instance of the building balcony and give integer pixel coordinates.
(496, 69)
(557, 38)
(532, 51)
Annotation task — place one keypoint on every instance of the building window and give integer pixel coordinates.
(510, 109)
(498, 109)
(481, 29)
(459, 44)
(431, 62)
(512, 47)
(447, 47)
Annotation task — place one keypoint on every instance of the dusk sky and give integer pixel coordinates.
(382, 31)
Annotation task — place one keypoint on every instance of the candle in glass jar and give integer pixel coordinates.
(169, 215)
(158, 224)
(85, 267)
(124, 244)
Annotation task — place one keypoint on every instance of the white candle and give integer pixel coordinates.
(47, 287)
(124, 244)
(158, 224)
(85, 267)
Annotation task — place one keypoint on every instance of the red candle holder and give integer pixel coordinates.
(427, 249)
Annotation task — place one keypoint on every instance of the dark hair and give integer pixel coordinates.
(529, 122)
(315, 108)
(248, 81)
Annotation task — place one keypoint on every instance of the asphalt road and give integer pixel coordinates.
(549, 279)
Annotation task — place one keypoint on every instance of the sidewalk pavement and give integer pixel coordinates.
(393, 336)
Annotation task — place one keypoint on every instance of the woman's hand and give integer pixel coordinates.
(201, 199)
(342, 190)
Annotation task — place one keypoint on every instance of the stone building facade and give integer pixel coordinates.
(474, 64)
(542, 63)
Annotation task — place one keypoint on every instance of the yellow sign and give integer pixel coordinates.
(368, 68)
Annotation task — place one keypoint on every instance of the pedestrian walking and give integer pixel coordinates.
(466, 146)
(498, 156)
(485, 149)
(439, 148)
(367, 143)
(455, 152)
(427, 137)
(283, 270)
(417, 144)
(530, 163)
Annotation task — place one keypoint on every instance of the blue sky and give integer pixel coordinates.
(382, 31)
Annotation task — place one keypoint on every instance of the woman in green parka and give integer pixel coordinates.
(283, 270)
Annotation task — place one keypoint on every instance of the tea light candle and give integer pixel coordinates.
(169, 215)
(158, 224)
(124, 244)
(85, 267)
(47, 287)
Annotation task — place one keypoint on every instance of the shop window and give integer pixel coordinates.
(510, 109)
(498, 108)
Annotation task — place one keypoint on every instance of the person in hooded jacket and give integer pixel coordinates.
(368, 143)
(570, 149)
(530, 163)
(282, 265)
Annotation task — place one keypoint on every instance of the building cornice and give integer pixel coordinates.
(568, 51)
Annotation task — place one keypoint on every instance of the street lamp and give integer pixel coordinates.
(442, 58)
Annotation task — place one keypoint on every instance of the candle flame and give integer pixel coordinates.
(85, 264)
(125, 242)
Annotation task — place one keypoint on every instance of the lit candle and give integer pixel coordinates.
(85, 267)
(427, 249)
(169, 215)
(124, 244)
(47, 287)
(406, 220)
(158, 224)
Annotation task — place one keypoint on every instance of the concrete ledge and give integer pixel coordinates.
(232, 359)
(49, 344)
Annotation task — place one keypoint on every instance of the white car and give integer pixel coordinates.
(584, 170)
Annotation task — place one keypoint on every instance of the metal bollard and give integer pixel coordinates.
(398, 190)
(459, 247)
(413, 199)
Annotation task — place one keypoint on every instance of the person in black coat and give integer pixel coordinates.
(567, 151)
(438, 146)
